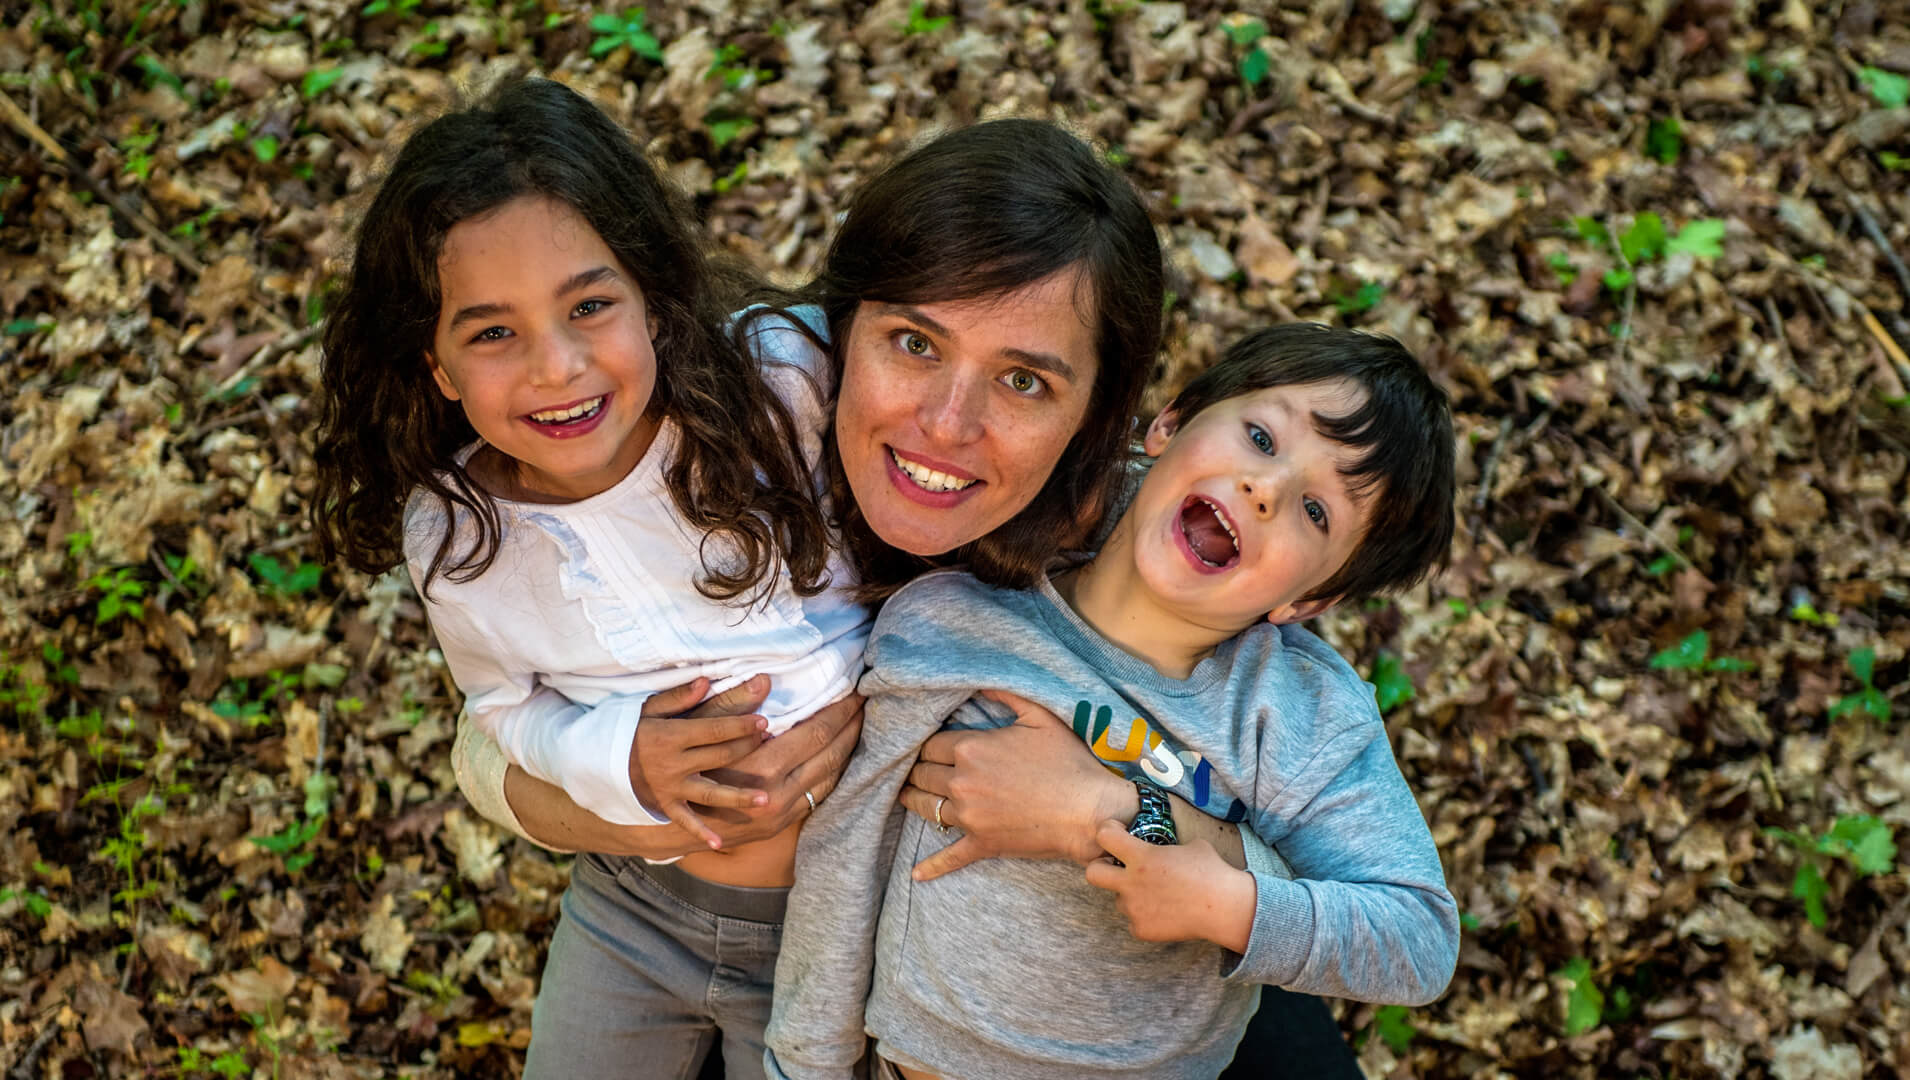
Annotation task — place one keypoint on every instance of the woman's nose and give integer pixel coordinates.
(951, 410)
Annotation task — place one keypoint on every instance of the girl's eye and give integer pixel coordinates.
(590, 307)
(915, 344)
(1024, 382)
(1315, 512)
(1261, 440)
(492, 333)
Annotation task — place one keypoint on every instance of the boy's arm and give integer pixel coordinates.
(843, 862)
(1367, 915)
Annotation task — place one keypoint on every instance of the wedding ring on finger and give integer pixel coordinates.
(811, 798)
(939, 823)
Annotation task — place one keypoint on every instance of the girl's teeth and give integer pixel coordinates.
(927, 478)
(558, 416)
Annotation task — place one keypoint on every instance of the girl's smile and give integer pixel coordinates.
(545, 340)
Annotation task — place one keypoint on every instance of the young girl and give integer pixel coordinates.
(532, 393)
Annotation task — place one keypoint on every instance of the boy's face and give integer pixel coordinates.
(1245, 511)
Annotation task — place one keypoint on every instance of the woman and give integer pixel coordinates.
(993, 305)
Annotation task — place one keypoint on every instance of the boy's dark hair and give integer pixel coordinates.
(1405, 470)
(976, 213)
(384, 429)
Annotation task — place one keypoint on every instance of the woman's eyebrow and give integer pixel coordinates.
(1040, 361)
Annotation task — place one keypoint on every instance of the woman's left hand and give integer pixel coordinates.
(1031, 790)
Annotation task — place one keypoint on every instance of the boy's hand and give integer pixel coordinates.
(1175, 892)
(678, 740)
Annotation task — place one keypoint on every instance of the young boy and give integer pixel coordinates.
(1307, 467)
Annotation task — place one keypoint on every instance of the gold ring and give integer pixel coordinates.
(939, 823)
(811, 798)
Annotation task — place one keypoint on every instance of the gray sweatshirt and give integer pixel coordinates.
(1020, 968)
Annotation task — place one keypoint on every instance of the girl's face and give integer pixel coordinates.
(545, 340)
(952, 415)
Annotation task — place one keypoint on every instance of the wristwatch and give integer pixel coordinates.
(1155, 822)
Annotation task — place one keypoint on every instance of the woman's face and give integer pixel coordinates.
(952, 415)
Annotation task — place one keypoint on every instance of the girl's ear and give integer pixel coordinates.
(1165, 424)
(443, 378)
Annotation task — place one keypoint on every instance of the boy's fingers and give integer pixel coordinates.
(686, 817)
(1104, 874)
(949, 859)
(707, 792)
(676, 699)
(740, 699)
(1114, 839)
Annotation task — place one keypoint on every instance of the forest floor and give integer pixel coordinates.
(1654, 712)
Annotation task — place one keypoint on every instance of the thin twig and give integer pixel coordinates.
(1890, 346)
(1631, 522)
(284, 543)
(1878, 237)
(292, 339)
(24, 1068)
(1631, 301)
(36, 134)
(1484, 494)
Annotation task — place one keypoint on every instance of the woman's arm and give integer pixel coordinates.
(809, 757)
(1033, 790)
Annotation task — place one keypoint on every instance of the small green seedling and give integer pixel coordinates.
(1866, 843)
(1255, 63)
(319, 80)
(1891, 90)
(120, 595)
(919, 22)
(1584, 1001)
(1392, 687)
(135, 147)
(1664, 140)
(725, 129)
(1393, 1021)
(1361, 299)
(1563, 267)
(296, 580)
(1694, 654)
(735, 72)
(381, 7)
(287, 841)
(624, 31)
(1893, 162)
(1863, 664)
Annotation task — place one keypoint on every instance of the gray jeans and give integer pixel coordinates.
(647, 966)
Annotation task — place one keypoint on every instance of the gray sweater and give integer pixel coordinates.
(1020, 968)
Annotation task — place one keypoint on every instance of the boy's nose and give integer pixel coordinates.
(1258, 498)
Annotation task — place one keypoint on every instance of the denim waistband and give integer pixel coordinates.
(763, 905)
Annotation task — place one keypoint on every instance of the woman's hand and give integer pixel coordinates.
(809, 757)
(1032, 790)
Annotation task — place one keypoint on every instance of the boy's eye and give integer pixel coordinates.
(590, 307)
(915, 344)
(1261, 440)
(1023, 382)
(1315, 512)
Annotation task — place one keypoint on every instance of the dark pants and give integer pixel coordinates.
(1293, 1035)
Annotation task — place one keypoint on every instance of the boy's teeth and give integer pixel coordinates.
(927, 478)
(555, 416)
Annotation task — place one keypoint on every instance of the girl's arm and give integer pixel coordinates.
(808, 757)
(1033, 790)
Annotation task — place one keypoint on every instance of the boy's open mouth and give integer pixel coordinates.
(577, 413)
(1208, 533)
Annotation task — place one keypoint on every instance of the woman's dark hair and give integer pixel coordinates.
(385, 430)
(1404, 471)
(976, 213)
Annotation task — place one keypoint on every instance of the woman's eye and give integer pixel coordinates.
(1315, 512)
(590, 307)
(1024, 382)
(1261, 440)
(915, 344)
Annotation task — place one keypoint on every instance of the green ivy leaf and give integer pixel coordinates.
(1645, 240)
(1703, 238)
(1664, 140)
(1687, 654)
(1391, 685)
(1891, 90)
(1394, 1028)
(1585, 1003)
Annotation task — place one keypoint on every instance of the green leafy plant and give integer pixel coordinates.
(22, 327)
(1863, 665)
(920, 23)
(1893, 162)
(722, 184)
(1890, 89)
(319, 80)
(1255, 64)
(295, 580)
(725, 129)
(381, 7)
(1563, 267)
(1646, 239)
(1694, 654)
(624, 32)
(1395, 1027)
(287, 842)
(1866, 843)
(736, 72)
(265, 147)
(1664, 140)
(1363, 298)
(1584, 1001)
(120, 595)
(1392, 687)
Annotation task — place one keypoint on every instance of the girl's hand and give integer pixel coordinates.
(1176, 892)
(809, 757)
(1032, 790)
(679, 740)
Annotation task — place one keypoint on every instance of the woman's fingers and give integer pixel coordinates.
(676, 699)
(707, 792)
(933, 780)
(720, 755)
(818, 775)
(950, 859)
(694, 824)
(939, 748)
(744, 697)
